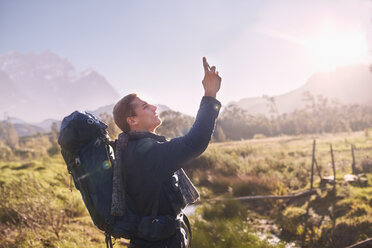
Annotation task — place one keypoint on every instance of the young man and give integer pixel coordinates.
(151, 162)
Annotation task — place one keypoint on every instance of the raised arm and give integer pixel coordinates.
(170, 156)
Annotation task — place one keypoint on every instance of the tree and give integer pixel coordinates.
(174, 124)
(112, 129)
(218, 134)
(54, 133)
(237, 124)
(2, 132)
(271, 101)
(319, 115)
(53, 138)
(11, 137)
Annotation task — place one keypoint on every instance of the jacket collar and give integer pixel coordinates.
(134, 135)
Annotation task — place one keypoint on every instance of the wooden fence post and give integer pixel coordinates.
(353, 169)
(312, 165)
(333, 167)
(318, 169)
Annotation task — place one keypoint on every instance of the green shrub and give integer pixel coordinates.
(53, 150)
(366, 132)
(366, 165)
(225, 162)
(342, 208)
(224, 210)
(222, 233)
(220, 184)
(74, 206)
(259, 136)
(24, 153)
(5, 152)
(343, 235)
(291, 219)
(26, 204)
(253, 185)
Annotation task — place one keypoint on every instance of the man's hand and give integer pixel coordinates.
(211, 81)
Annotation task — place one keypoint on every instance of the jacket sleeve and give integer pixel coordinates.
(169, 156)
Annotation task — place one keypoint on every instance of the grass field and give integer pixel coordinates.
(37, 208)
(281, 166)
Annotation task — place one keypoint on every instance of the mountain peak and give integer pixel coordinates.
(346, 85)
(90, 73)
(51, 85)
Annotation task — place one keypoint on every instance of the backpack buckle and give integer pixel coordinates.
(72, 164)
(97, 142)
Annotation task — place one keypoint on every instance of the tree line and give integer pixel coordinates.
(319, 116)
(234, 123)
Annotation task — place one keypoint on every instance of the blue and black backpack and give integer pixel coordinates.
(89, 155)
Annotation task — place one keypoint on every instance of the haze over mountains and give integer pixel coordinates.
(346, 85)
(45, 87)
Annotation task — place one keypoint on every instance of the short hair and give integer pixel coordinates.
(122, 110)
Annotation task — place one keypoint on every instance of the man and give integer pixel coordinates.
(150, 161)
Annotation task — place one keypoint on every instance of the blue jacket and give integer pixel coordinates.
(150, 162)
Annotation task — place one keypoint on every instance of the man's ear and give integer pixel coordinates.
(132, 121)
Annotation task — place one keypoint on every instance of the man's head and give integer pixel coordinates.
(131, 113)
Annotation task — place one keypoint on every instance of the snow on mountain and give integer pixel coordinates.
(38, 86)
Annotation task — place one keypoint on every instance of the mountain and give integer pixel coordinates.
(46, 125)
(14, 120)
(35, 86)
(11, 99)
(22, 128)
(346, 85)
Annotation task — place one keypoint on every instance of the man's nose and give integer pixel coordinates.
(154, 108)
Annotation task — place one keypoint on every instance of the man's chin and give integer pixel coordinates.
(160, 122)
(157, 124)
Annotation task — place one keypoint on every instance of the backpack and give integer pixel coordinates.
(89, 156)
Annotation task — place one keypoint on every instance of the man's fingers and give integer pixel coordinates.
(213, 69)
(205, 65)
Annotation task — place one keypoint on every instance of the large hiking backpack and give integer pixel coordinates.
(90, 159)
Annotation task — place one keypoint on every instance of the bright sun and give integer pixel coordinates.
(332, 48)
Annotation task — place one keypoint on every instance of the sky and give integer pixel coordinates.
(155, 48)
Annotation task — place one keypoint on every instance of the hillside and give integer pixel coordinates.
(346, 85)
(24, 128)
(37, 208)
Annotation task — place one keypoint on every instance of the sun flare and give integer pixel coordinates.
(332, 48)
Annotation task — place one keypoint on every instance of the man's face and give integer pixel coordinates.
(146, 117)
